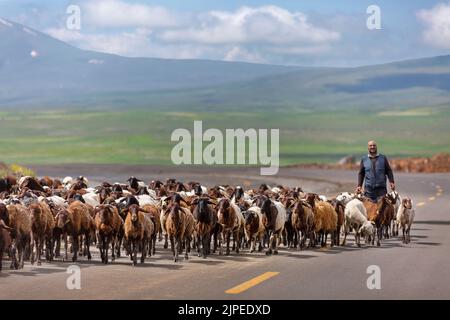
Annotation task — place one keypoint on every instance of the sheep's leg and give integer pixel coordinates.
(113, 246)
(379, 235)
(178, 247)
(58, 246)
(228, 239)
(408, 234)
(172, 245)
(21, 251)
(276, 243)
(237, 240)
(175, 247)
(118, 245)
(198, 244)
(252, 243)
(87, 243)
(66, 244)
(160, 235)
(154, 244)
(221, 239)
(75, 248)
(144, 249)
(12, 254)
(38, 250)
(134, 251)
(33, 245)
(206, 241)
(270, 243)
(80, 245)
(404, 234)
(107, 240)
(48, 248)
(101, 246)
(358, 238)
(150, 245)
(187, 247)
(166, 244)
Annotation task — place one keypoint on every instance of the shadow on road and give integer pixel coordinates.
(436, 222)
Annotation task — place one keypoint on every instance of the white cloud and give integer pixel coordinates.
(96, 61)
(251, 34)
(6, 23)
(266, 25)
(239, 54)
(137, 43)
(437, 23)
(131, 44)
(116, 13)
(29, 31)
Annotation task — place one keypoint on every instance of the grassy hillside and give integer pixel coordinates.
(139, 136)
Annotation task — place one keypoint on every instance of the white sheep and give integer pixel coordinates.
(397, 202)
(356, 218)
(91, 199)
(345, 197)
(405, 218)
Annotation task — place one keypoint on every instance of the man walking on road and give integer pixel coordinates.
(373, 170)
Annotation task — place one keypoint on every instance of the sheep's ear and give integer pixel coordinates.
(373, 223)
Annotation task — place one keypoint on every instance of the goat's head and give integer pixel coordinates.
(36, 212)
(198, 191)
(105, 213)
(407, 203)
(62, 218)
(133, 210)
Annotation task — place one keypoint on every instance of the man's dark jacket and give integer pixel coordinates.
(373, 171)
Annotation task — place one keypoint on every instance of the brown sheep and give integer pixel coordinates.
(134, 229)
(189, 232)
(205, 224)
(232, 222)
(107, 224)
(254, 228)
(20, 222)
(6, 244)
(175, 227)
(42, 225)
(380, 213)
(274, 218)
(339, 207)
(303, 223)
(57, 232)
(149, 232)
(81, 225)
(325, 218)
(154, 211)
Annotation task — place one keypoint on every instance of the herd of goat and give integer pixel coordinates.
(36, 215)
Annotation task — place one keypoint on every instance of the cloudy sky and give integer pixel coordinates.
(290, 32)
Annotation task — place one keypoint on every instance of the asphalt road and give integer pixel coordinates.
(418, 270)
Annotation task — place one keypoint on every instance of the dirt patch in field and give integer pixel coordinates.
(438, 163)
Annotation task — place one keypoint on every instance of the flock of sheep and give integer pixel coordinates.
(36, 215)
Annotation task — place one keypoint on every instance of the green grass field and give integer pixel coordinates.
(143, 137)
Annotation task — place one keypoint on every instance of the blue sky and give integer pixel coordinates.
(311, 33)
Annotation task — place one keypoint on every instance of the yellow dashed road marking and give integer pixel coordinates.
(251, 283)
(421, 204)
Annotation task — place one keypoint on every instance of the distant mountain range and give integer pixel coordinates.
(38, 71)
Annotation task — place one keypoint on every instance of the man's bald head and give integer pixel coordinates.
(372, 147)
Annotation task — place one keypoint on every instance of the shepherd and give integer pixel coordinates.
(373, 170)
